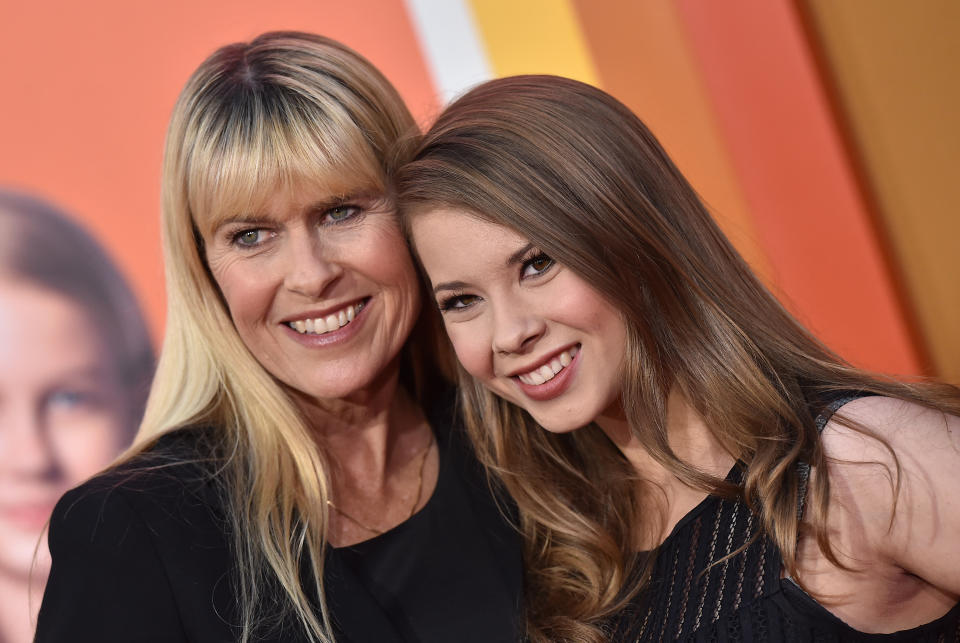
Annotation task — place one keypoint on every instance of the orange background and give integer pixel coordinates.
(777, 111)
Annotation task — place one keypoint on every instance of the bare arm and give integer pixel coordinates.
(915, 528)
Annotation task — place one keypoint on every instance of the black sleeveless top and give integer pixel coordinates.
(743, 598)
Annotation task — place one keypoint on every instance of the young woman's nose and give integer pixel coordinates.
(516, 330)
(310, 267)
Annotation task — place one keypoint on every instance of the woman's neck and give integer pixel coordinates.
(692, 442)
(380, 450)
(364, 434)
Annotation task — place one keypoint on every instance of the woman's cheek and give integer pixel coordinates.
(473, 353)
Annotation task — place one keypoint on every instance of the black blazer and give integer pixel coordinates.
(143, 553)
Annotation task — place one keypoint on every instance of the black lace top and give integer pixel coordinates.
(743, 598)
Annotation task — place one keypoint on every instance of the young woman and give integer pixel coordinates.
(75, 368)
(297, 476)
(709, 470)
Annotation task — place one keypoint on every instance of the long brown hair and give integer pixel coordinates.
(579, 175)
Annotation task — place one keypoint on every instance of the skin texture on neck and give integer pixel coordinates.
(375, 441)
(663, 493)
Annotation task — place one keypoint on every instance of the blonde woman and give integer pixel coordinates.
(685, 456)
(297, 476)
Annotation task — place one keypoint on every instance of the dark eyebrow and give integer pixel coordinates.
(450, 285)
(518, 256)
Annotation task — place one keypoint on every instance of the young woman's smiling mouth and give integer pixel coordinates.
(551, 377)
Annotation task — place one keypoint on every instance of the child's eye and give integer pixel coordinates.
(458, 302)
(537, 265)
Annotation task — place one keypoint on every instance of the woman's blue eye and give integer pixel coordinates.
(537, 265)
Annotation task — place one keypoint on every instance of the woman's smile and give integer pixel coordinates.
(529, 329)
(552, 378)
(323, 323)
(320, 287)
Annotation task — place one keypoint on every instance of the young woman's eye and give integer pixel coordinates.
(537, 265)
(458, 302)
(341, 213)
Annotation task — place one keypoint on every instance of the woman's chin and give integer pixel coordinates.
(560, 425)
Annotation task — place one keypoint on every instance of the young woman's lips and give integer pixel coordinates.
(334, 337)
(554, 387)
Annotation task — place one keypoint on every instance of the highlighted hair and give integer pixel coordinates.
(580, 176)
(255, 118)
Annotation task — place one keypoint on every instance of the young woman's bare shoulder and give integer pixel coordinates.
(902, 482)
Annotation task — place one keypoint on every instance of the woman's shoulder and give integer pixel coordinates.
(177, 467)
(143, 547)
(891, 435)
(892, 519)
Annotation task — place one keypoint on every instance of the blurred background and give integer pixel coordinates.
(823, 134)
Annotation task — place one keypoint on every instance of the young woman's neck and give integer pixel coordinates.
(692, 442)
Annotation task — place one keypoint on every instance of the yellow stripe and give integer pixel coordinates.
(534, 37)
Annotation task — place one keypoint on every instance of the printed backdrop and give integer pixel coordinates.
(823, 135)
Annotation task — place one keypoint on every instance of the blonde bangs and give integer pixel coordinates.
(239, 161)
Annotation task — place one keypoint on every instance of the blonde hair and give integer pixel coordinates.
(255, 118)
(575, 172)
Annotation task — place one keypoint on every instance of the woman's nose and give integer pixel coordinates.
(311, 268)
(517, 331)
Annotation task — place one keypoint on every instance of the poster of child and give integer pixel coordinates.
(75, 367)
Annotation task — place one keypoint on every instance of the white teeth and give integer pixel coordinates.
(548, 371)
(321, 325)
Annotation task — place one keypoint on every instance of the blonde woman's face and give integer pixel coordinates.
(321, 288)
(529, 329)
(63, 413)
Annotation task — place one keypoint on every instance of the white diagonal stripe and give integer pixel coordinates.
(451, 44)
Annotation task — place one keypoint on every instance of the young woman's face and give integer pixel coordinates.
(321, 288)
(529, 329)
(63, 411)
